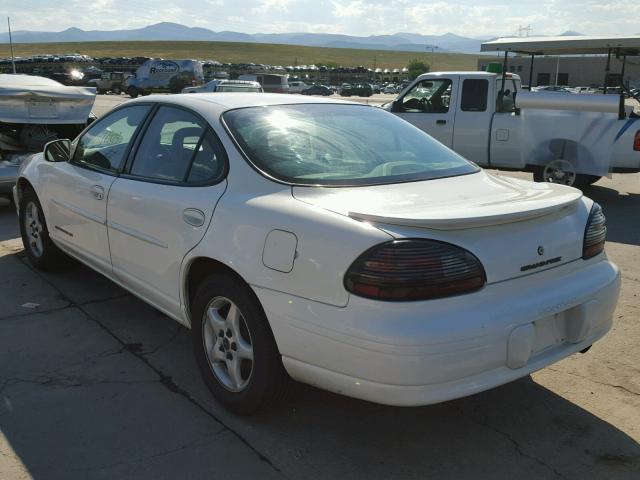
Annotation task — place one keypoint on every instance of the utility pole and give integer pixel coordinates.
(13, 60)
(524, 31)
(432, 60)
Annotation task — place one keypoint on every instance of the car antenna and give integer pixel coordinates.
(13, 60)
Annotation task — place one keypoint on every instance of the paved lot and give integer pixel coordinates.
(96, 384)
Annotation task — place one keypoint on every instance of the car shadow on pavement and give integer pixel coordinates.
(9, 227)
(621, 211)
(103, 385)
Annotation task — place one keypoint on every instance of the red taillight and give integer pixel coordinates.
(594, 233)
(414, 270)
(636, 142)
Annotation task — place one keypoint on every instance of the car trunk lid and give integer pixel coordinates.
(513, 226)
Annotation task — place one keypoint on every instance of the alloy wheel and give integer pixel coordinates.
(34, 229)
(227, 344)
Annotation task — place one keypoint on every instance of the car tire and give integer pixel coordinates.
(133, 92)
(40, 249)
(245, 346)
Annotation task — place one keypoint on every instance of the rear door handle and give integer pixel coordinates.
(98, 192)
(193, 217)
(441, 122)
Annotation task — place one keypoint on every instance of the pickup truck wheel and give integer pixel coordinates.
(132, 92)
(234, 346)
(562, 171)
(40, 249)
(557, 171)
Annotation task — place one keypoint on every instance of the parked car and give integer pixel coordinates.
(317, 90)
(113, 82)
(390, 89)
(356, 89)
(585, 90)
(270, 82)
(392, 286)
(552, 88)
(297, 87)
(225, 86)
(33, 111)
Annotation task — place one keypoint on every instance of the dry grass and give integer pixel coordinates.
(232, 52)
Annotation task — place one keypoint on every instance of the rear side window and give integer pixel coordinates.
(474, 95)
(178, 148)
(272, 80)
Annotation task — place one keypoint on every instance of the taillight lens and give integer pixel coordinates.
(636, 142)
(414, 269)
(595, 233)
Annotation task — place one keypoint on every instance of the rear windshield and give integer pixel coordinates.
(273, 80)
(333, 145)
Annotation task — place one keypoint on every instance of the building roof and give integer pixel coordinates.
(627, 45)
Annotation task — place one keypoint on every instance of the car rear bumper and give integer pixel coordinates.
(417, 353)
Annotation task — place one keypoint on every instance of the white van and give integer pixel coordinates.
(164, 76)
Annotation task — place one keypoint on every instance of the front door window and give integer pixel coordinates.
(104, 145)
(428, 96)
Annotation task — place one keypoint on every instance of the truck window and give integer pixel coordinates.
(428, 96)
(506, 101)
(474, 95)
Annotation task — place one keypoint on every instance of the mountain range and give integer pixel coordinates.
(412, 42)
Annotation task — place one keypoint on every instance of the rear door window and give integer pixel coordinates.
(474, 95)
(177, 147)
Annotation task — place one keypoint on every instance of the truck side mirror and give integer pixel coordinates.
(58, 150)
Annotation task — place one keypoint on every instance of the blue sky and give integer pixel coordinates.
(356, 17)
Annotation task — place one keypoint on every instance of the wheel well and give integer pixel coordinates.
(200, 269)
(23, 185)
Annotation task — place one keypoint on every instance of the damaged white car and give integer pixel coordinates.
(33, 111)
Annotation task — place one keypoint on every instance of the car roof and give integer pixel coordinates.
(208, 104)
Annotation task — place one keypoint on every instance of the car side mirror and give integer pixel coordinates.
(58, 150)
(396, 106)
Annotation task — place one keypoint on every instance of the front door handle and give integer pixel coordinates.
(441, 122)
(98, 192)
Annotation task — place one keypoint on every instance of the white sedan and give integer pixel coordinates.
(325, 241)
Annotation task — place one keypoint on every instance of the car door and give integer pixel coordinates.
(430, 106)
(473, 121)
(77, 191)
(160, 206)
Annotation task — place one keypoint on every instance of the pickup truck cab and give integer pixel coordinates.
(561, 138)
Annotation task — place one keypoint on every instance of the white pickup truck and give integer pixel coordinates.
(560, 137)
